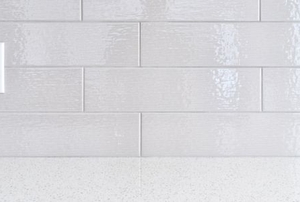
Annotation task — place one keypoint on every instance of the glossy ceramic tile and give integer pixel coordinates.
(69, 134)
(150, 179)
(39, 10)
(281, 89)
(67, 44)
(42, 90)
(216, 44)
(221, 179)
(172, 89)
(221, 134)
(170, 10)
(69, 179)
(165, 77)
(280, 10)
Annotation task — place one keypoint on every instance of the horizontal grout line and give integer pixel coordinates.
(220, 157)
(148, 67)
(149, 157)
(137, 68)
(70, 66)
(69, 21)
(139, 21)
(150, 112)
(69, 157)
(44, 67)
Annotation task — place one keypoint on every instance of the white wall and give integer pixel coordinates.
(150, 78)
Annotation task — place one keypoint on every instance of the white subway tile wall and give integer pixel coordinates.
(55, 89)
(70, 44)
(69, 134)
(52, 10)
(280, 10)
(168, 89)
(170, 10)
(282, 89)
(150, 78)
(221, 134)
(220, 44)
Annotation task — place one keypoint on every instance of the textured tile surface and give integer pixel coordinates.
(169, 89)
(150, 179)
(280, 10)
(170, 10)
(69, 134)
(42, 90)
(209, 77)
(69, 179)
(40, 10)
(281, 89)
(217, 44)
(65, 44)
(265, 134)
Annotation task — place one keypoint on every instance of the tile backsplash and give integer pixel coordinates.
(150, 78)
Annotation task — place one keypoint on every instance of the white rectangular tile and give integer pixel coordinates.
(42, 90)
(39, 10)
(281, 89)
(170, 10)
(217, 44)
(69, 134)
(172, 89)
(221, 134)
(69, 44)
(280, 10)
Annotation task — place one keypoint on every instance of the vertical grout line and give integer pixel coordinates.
(140, 134)
(81, 10)
(83, 89)
(140, 45)
(261, 89)
(259, 6)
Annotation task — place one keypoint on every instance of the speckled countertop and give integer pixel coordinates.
(149, 179)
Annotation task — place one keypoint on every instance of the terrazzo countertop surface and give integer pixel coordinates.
(149, 179)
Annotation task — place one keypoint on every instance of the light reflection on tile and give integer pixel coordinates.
(293, 44)
(220, 44)
(227, 88)
(280, 10)
(294, 9)
(172, 89)
(282, 89)
(227, 44)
